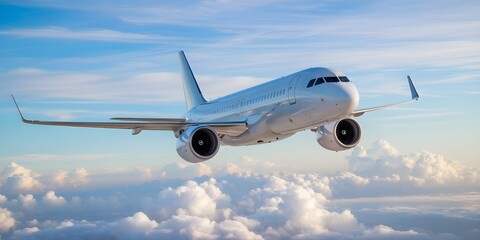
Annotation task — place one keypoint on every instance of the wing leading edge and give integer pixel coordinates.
(414, 97)
(233, 128)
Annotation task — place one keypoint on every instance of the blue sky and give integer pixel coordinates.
(74, 61)
(90, 61)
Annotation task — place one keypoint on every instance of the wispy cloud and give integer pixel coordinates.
(422, 115)
(464, 78)
(444, 203)
(152, 87)
(379, 36)
(56, 157)
(84, 35)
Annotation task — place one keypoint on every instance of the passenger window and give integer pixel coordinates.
(331, 79)
(310, 83)
(343, 79)
(319, 81)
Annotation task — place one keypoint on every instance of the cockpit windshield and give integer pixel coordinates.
(331, 79)
(317, 81)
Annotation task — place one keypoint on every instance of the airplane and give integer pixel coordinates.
(320, 99)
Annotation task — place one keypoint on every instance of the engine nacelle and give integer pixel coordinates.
(339, 136)
(198, 144)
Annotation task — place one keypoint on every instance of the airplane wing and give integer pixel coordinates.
(150, 119)
(233, 128)
(413, 91)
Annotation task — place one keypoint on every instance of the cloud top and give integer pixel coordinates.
(240, 204)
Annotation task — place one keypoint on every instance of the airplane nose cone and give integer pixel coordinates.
(347, 97)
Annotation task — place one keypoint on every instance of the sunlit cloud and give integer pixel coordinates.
(240, 204)
(15, 178)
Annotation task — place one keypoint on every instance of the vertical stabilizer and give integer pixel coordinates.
(193, 95)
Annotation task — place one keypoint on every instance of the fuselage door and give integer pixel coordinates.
(291, 89)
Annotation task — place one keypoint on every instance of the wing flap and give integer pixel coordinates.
(180, 120)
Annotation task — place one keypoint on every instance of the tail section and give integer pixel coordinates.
(193, 95)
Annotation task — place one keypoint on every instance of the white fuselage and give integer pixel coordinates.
(278, 109)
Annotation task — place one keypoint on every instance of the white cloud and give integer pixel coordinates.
(383, 232)
(17, 179)
(352, 178)
(189, 227)
(293, 209)
(202, 200)
(53, 200)
(3, 198)
(66, 223)
(75, 178)
(232, 229)
(6, 220)
(25, 232)
(383, 162)
(27, 201)
(381, 171)
(362, 203)
(193, 227)
(139, 222)
(283, 207)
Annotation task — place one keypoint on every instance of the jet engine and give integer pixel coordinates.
(340, 135)
(197, 144)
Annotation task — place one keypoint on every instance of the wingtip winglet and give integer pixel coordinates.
(18, 109)
(413, 91)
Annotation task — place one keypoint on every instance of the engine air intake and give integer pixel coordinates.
(341, 135)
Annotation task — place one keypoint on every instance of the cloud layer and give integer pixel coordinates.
(360, 203)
